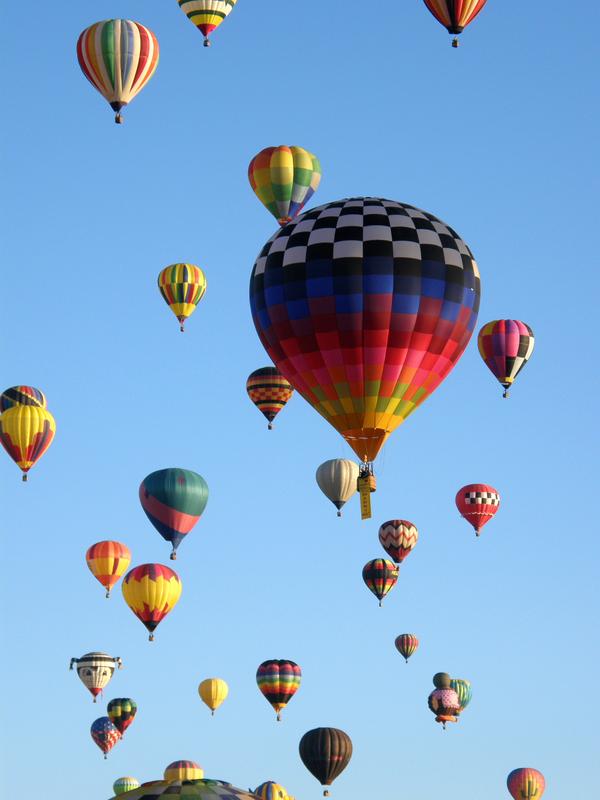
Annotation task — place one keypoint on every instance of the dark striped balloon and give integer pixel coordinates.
(325, 752)
(121, 712)
(279, 681)
(22, 396)
(173, 500)
(380, 576)
(406, 645)
(269, 391)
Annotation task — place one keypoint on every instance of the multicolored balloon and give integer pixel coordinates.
(105, 734)
(121, 712)
(26, 432)
(182, 287)
(284, 179)
(213, 691)
(526, 783)
(125, 784)
(455, 15)
(478, 503)
(22, 396)
(173, 500)
(406, 645)
(380, 576)
(279, 681)
(337, 479)
(95, 670)
(398, 537)
(269, 391)
(118, 57)
(183, 771)
(506, 346)
(206, 14)
(325, 752)
(201, 789)
(443, 701)
(107, 561)
(364, 275)
(463, 690)
(151, 591)
(269, 790)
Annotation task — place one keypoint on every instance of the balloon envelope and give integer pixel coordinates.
(463, 690)
(104, 734)
(406, 645)
(325, 752)
(398, 537)
(121, 712)
(213, 691)
(203, 789)
(526, 783)
(22, 396)
(278, 680)
(26, 432)
(269, 391)
(269, 790)
(380, 576)
(506, 346)
(125, 784)
(95, 670)
(107, 561)
(151, 591)
(477, 503)
(182, 287)
(206, 14)
(365, 305)
(337, 479)
(455, 15)
(284, 179)
(183, 771)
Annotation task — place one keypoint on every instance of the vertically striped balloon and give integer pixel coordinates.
(380, 576)
(125, 784)
(107, 561)
(118, 57)
(463, 689)
(337, 479)
(182, 286)
(269, 391)
(26, 432)
(151, 591)
(398, 537)
(269, 790)
(455, 15)
(284, 179)
(526, 783)
(22, 396)
(506, 346)
(279, 681)
(183, 771)
(206, 14)
(406, 645)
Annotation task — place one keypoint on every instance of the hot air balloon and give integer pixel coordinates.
(443, 701)
(279, 681)
(455, 15)
(406, 645)
(213, 691)
(151, 591)
(121, 712)
(337, 480)
(118, 57)
(380, 576)
(365, 305)
(201, 789)
(477, 503)
(95, 670)
(182, 286)
(269, 790)
(206, 14)
(526, 783)
(105, 734)
(325, 752)
(269, 391)
(125, 784)
(284, 179)
(107, 561)
(506, 346)
(21, 396)
(398, 537)
(463, 690)
(183, 771)
(173, 500)
(26, 432)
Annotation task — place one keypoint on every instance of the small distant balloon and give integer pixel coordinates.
(406, 645)
(95, 670)
(213, 691)
(125, 784)
(269, 790)
(443, 701)
(398, 537)
(325, 752)
(206, 15)
(380, 576)
(463, 689)
(269, 391)
(22, 396)
(337, 479)
(26, 432)
(182, 287)
(121, 712)
(107, 561)
(455, 15)
(151, 591)
(104, 734)
(278, 680)
(526, 783)
(183, 771)
(506, 346)
(478, 503)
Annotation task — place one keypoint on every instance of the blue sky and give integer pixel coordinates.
(496, 140)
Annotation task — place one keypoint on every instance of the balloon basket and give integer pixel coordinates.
(24, 478)
(454, 43)
(207, 42)
(118, 119)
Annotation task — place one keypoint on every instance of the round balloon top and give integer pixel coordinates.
(269, 790)
(398, 537)
(151, 591)
(206, 15)
(22, 396)
(125, 784)
(269, 391)
(506, 346)
(365, 305)
(526, 783)
(183, 771)
(441, 680)
(325, 752)
(202, 788)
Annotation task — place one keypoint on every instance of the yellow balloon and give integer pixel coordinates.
(26, 432)
(213, 691)
(151, 591)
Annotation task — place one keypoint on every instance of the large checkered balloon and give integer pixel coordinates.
(365, 305)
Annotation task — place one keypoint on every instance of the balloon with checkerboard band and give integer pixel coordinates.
(365, 305)
(478, 503)
(506, 346)
(269, 391)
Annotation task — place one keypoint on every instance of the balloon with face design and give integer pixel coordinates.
(95, 670)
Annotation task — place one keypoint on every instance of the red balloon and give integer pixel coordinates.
(478, 503)
(526, 784)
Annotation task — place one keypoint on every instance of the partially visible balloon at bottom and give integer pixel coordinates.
(526, 783)
(125, 784)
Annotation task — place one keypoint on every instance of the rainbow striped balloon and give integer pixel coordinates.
(279, 681)
(118, 57)
(182, 286)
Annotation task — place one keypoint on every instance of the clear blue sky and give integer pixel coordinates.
(497, 140)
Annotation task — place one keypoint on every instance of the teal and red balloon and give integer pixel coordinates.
(173, 500)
